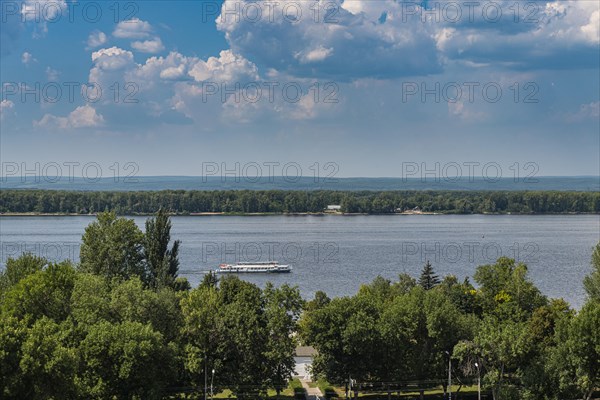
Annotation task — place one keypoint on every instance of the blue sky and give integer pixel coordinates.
(367, 85)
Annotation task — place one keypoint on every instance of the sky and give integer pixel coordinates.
(369, 88)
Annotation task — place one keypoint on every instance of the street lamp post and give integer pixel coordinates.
(478, 382)
(449, 376)
(211, 384)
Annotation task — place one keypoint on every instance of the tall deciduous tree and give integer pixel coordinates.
(18, 268)
(163, 263)
(44, 293)
(113, 247)
(244, 325)
(507, 291)
(282, 310)
(124, 360)
(49, 361)
(592, 281)
(576, 359)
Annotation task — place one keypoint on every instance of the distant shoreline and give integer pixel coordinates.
(224, 214)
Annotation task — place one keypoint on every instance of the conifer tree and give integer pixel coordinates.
(428, 279)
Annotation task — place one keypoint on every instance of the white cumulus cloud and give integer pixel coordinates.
(228, 67)
(27, 58)
(96, 39)
(82, 117)
(151, 46)
(387, 39)
(350, 42)
(315, 55)
(6, 106)
(586, 111)
(134, 28)
(42, 12)
(109, 60)
(52, 74)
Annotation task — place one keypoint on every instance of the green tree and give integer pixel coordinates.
(131, 301)
(112, 247)
(202, 336)
(48, 361)
(210, 280)
(90, 300)
(403, 330)
(575, 362)
(405, 283)
(463, 295)
(446, 325)
(282, 310)
(507, 291)
(126, 360)
(13, 332)
(503, 346)
(321, 300)
(343, 331)
(18, 268)
(163, 263)
(592, 281)
(35, 357)
(428, 279)
(44, 293)
(537, 373)
(243, 324)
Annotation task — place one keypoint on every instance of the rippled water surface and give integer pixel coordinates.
(338, 253)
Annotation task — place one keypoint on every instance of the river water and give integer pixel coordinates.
(337, 254)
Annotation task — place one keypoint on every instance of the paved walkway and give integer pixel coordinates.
(311, 393)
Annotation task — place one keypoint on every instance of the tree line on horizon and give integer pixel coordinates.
(122, 324)
(282, 201)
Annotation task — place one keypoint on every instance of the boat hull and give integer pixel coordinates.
(266, 268)
(252, 272)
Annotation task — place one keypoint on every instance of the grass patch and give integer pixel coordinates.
(466, 393)
(295, 391)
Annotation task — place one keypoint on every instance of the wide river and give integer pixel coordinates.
(337, 254)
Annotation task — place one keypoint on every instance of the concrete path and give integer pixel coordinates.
(312, 393)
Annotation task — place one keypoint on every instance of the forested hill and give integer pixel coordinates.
(241, 182)
(282, 201)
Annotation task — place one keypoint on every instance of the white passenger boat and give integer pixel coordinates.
(253, 267)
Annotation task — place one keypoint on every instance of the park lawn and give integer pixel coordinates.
(466, 392)
(286, 394)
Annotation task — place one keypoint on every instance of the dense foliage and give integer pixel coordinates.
(522, 344)
(121, 325)
(277, 201)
